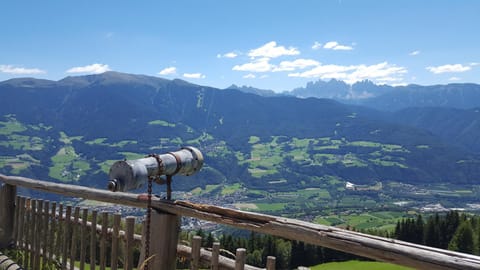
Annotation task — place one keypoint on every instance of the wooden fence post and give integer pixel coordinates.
(271, 261)
(103, 241)
(66, 236)
(7, 212)
(129, 231)
(195, 256)
(115, 235)
(240, 258)
(26, 228)
(74, 235)
(93, 239)
(164, 233)
(21, 222)
(215, 255)
(33, 228)
(46, 231)
(53, 229)
(15, 220)
(83, 238)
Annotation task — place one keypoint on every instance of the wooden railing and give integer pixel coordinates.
(61, 236)
(166, 228)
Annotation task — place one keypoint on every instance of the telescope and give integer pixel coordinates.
(128, 175)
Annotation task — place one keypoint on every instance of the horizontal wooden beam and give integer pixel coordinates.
(377, 248)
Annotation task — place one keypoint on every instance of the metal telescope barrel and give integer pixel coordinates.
(132, 174)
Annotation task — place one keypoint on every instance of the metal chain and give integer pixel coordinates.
(149, 208)
(148, 221)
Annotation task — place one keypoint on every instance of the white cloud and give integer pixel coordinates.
(194, 75)
(227, 55)
(296, 64)
(454, 79)
(473, 64)
(382, 72)
(448, 68)
(325, 71)
(399, 84)
(414, 53)
(250, 76)
(93, 69)
(376, 72)
(264, 65)
(258, 65)
(19, 70)
(168, 71)
(264, 76)
(317, 45)
(333, 45)
(271, 50)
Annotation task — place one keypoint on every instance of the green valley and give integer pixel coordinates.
(314, 159)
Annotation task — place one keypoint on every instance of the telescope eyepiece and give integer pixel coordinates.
(113, 185)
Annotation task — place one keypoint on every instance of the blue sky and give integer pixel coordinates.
(276, 45)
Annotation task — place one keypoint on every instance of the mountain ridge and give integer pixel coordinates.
(291, 142)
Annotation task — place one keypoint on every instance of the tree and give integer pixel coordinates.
(450, 226)
(432, 232)
(419, 228)
(254, 258)
(209, 241)
(462, 240)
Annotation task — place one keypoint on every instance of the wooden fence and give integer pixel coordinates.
(166, 228)
(58, 235)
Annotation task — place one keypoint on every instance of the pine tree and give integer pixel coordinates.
(431, 232)
(419, 228)
(462, 240)
(209, 241)
(450, 226)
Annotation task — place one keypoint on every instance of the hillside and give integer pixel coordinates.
(456, 126)
(74, 128)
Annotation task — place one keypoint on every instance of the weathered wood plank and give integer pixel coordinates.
(7, 211)
(83, 238)
(66, 236)
(45, 218)
(103, 241)
(377, 248)
(38, 234)
(34, 227)
(130, 224)
(21, 222)
(115, 236)
(74, 233)
(60, 229)
(28, 213)
(93, 239)
(53, 227)
(15, 219)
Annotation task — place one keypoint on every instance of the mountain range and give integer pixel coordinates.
(73, 129)
(384, 97)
